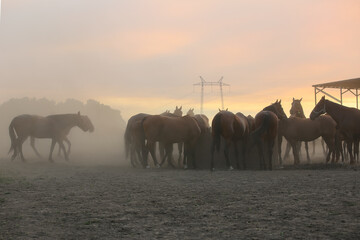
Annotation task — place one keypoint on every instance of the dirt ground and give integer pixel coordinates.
(82, 200)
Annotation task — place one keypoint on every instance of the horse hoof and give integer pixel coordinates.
(231, 168)
(157, 166)
(147, 167)
(185, 166)
(212, 169)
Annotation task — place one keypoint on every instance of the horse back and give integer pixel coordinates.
(170, 129)
(32, 125)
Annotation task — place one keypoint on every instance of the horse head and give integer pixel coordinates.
(319, 109)
(190, 112)
(296, 108)
(178, 111)
(277, 109)
(84, 123)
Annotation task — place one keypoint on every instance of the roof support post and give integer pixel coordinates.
(341, 93)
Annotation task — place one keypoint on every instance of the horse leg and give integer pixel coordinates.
(16, 149)
(237, 155)
(259, 145)
(192, 152)
(53, 142)
(356, 150)
(61, 145)
(279, 139)
(169, 150)
(243, 153)
(349, 147)
(271, 144)
(162, 151)
(307, 151)
(32, 144)
(323, 146)
(226, 153)
(287, 150)
(212, 155)
(295, 152)
(69, 145)
(313, 153)
(331, 145)
(151, 147)
(145, 154)
(180, 148)
(21, 141)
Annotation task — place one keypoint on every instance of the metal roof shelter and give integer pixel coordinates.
(350, 85)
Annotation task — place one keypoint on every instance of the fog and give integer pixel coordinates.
(105, 144)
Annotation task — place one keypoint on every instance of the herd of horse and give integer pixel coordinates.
(336, 124)
(331, 121)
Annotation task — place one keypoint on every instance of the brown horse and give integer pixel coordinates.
(266, 130)
(177, 113)
(133, 138)
(169, 130)
(347, 119)
(56, 127)
(296, 129)
(297, 110)
(203, 122)
(233, 128)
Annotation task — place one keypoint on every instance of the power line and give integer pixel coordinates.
(204, 83)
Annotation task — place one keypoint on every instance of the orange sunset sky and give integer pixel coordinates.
(145, 55)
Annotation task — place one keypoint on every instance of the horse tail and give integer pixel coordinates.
(256, 134)
(12, 135)
(143, 132)
(127, 140)
(216, 131)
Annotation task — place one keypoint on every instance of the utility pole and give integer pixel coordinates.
(204, 83)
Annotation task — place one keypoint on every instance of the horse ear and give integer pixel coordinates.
(180, 108)
(176, 107)
(294, 99)
(276, 101)
(280, 101)
(227, 109)
(300, 99)
(219, 110)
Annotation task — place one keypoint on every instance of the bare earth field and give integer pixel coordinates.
(80, 200)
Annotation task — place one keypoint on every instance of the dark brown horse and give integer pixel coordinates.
(296, 129)
(347, 119)
(169, 130)
(56, 127)
(266, 130)
(133, 139)
(233, 128)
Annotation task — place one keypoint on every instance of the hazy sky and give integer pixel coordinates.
(145, 55)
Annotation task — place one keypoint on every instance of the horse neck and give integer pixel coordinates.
(334, 110)
(66, 121)
(271, 108)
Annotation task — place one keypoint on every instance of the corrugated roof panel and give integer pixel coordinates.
(346, 84)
